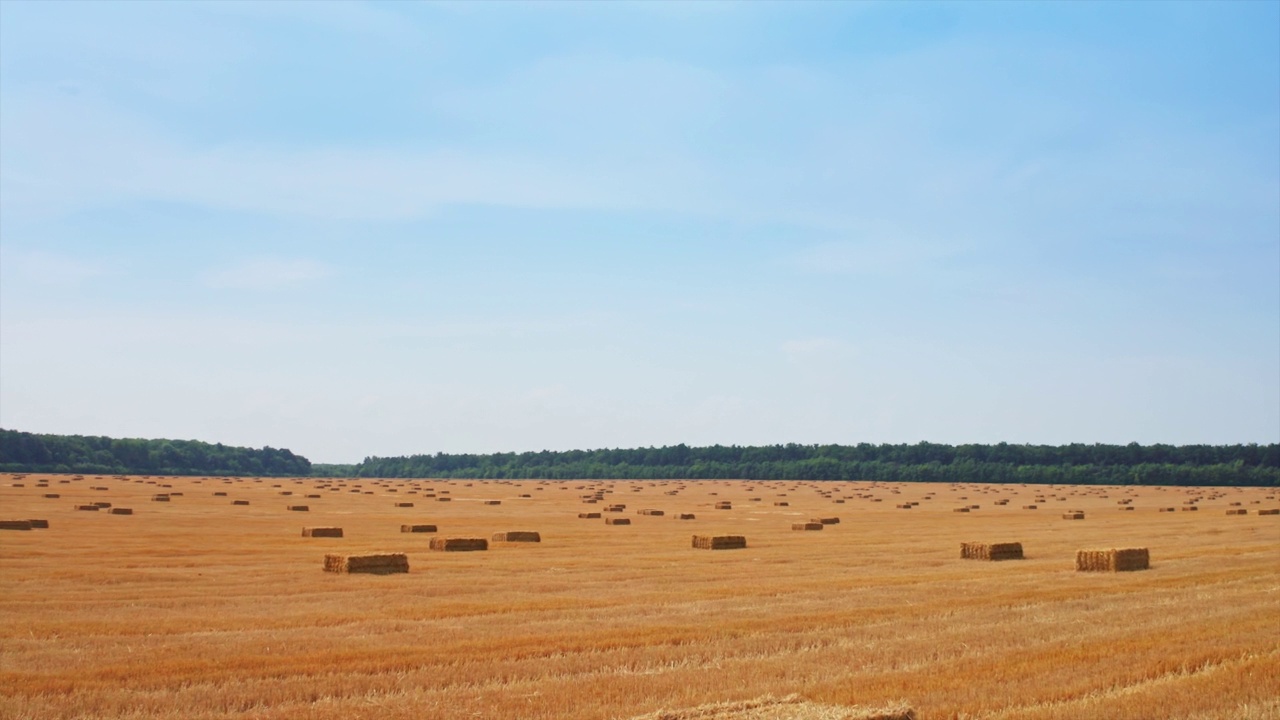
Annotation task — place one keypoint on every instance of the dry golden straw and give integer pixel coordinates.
(373, 564)
(719, 542)
(331, 532)
(1113, 560)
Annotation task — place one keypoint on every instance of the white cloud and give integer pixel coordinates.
(267, 274)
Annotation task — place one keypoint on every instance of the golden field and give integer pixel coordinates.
(198, 608)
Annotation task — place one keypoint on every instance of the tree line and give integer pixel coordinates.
(1131, 464)
(1075, 464)
(29, 452)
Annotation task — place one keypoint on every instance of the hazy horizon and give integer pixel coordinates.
(353, 229)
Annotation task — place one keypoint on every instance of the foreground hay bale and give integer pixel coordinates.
(791, 707)
(418, 528)
(459, 544)
(806, 526)
(321, 532)
(121, 511)
(15, 524)
(1113, 560)
(990, 551)
(373, 564)
(517, 536)
(719, 542)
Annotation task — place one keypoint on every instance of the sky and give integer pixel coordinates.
(364, 228)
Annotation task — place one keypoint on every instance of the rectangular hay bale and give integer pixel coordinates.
(15, 524)
(588, 516)
(517, 536)
(991, 551)
(719, 542)
(418, 528)
(1113, 560)
(121, 511)
(459, 544)
(384, 564)
(335, 532)
(806, 526)
(617, 521)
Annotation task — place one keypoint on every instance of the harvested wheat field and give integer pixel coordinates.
(198, 608)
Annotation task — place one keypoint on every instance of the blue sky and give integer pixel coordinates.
(359, 229)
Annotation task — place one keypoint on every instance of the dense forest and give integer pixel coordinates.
(1130, 464)
(28, 452)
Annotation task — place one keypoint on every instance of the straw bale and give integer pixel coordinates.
(1238, 511)
(220, 494)
(492, 502)
(791, 707)
(961, 509)
(89, 508)
(991, 551)
(162, 497)
(239, 502)
(724, 505)
(782, 503)
(103, 505)
(459, 544)
(517, 536)
(444, 499)
(52, 496)
(335, 532)
(1190, 508)
(617, 521)
(588, 516)
(1269, 511)
(15, 524)
(828, 521)
(1029, 507)
(404, 504)
(652, 512)
(385, 564)
(685, 516)
(806, 526)
(1072, 516)
(300, 508)
(719, 542)
(39, 524)
(418, 528)
(121, 511)
(1113, 560)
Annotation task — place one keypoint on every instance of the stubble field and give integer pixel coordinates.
(198, 608)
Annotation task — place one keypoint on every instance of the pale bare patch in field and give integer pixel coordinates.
(198, 608)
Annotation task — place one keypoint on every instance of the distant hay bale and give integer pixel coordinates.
(418, 528)
(219, 494)
(458, 544)
(161, 497)
(648, 511)
(88, 508)
(1190, 508)
(827, 521)
(39, 524)
(1072, 516)
(1269, 511)
(404, 504)
(724, 505)
(806, 526)
(331, 532)
(103, 505)
(15, 524)
(1113, 560)
(1030, 507)
(121, 511)
(372, 564)
(617, 521)
(904, 506)
(719, 542)
(782, 503)
(239, 502)
(1168, 509)
(444, 499)
(52, 496)
(492, 502)
(990, 551)
(299, 508)
(960, 509)
(685, 516)
(791, 707)
(517, 536)
(588, 516)
(1238, 511)
(313, 497)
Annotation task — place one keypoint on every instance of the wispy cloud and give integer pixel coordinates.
(267, 274)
